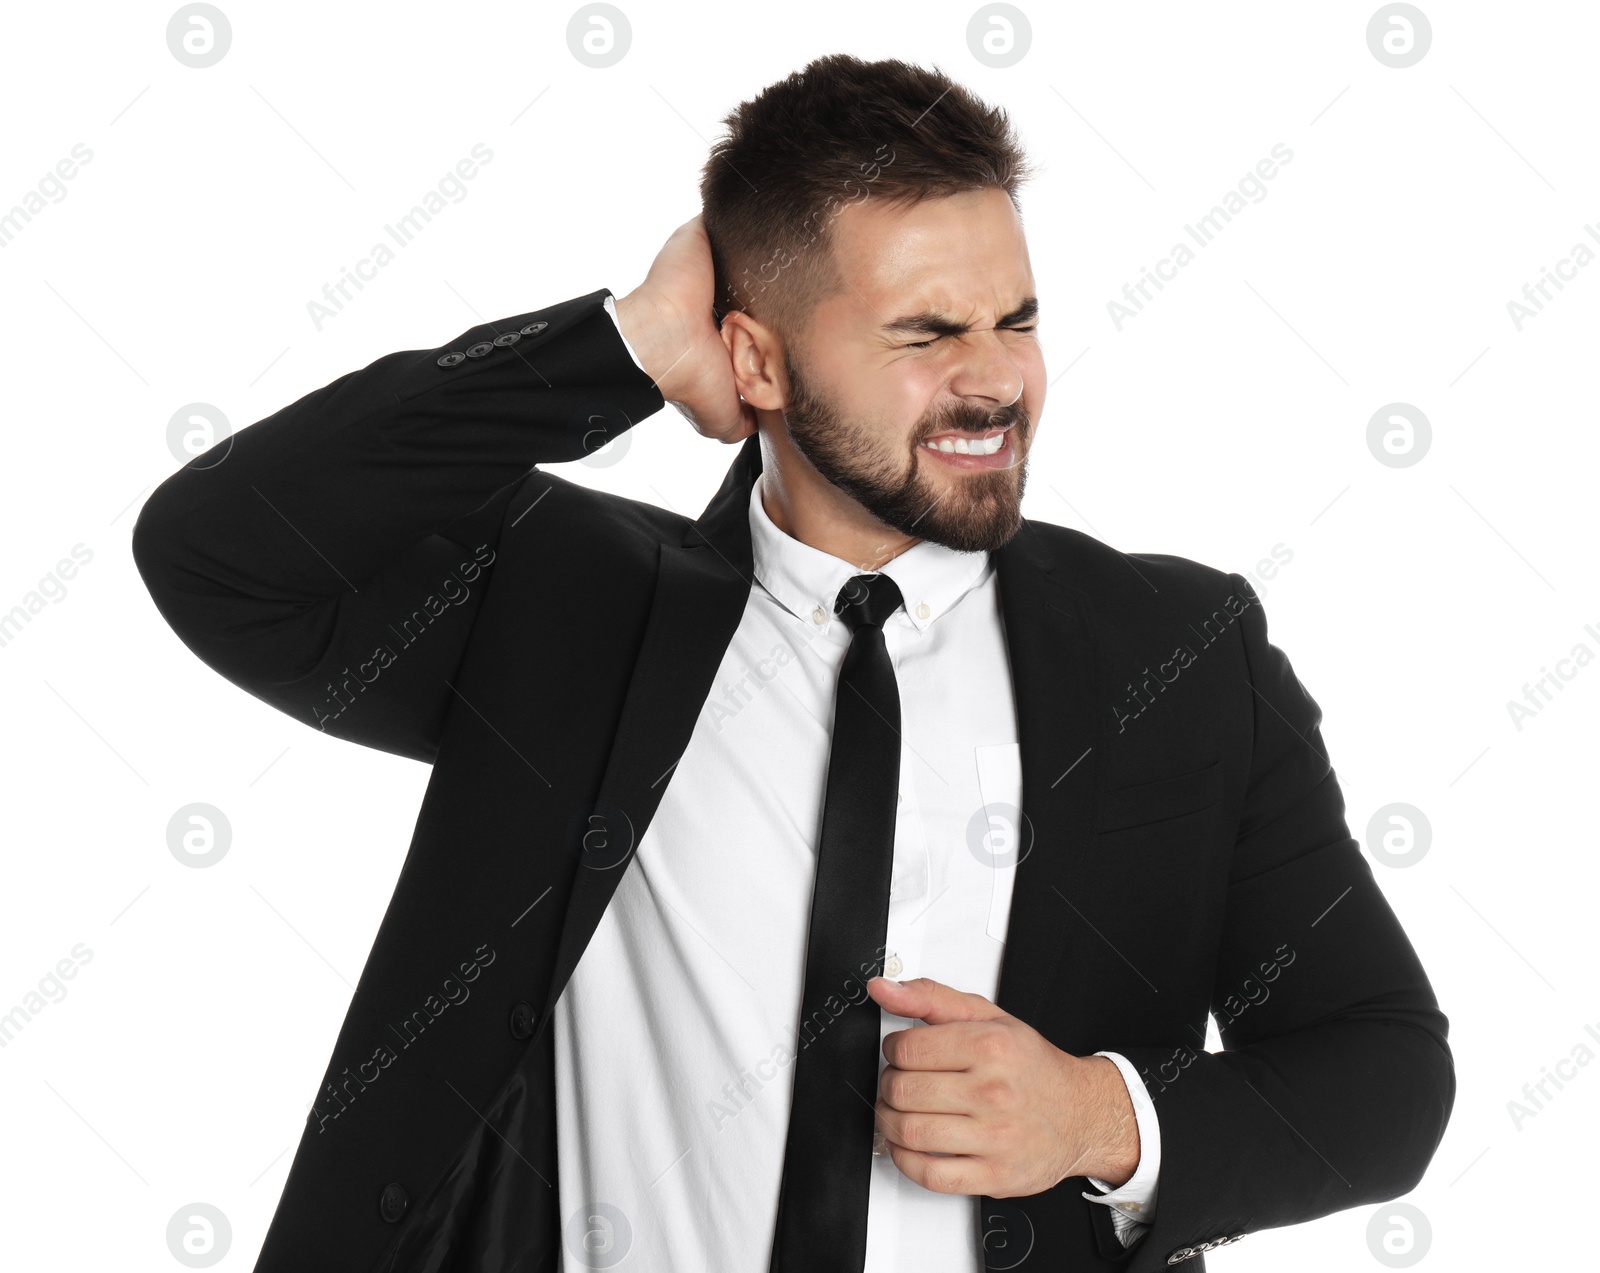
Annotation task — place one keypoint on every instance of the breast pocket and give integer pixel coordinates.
(1160, 800)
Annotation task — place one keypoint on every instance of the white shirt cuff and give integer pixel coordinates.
(1133, 1203)
(611, 308)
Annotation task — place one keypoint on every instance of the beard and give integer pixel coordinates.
(976, 510)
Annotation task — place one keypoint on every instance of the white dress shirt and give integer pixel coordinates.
(676, 1036)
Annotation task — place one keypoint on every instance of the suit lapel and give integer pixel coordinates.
(1049, 637)
(702, 586)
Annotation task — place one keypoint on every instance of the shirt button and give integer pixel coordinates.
(923, 610)
(893, 967)
(819, 615)
(880, 1144)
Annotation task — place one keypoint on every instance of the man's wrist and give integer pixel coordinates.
(654, 331)
(1114, 1131)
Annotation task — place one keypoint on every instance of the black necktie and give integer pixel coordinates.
(827, 1162)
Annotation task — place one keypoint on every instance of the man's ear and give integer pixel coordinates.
(756, 352)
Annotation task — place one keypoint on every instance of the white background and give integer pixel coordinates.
(1230, 416)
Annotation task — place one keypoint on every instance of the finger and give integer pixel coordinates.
(930, 1133)
(932, 1001)
(745, 425)
(926, 1091)
(938, 1174)
(723, 415)
(956, 1045)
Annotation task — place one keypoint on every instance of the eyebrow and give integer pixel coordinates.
(932, 323)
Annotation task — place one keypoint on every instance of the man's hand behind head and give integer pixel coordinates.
(669, 322)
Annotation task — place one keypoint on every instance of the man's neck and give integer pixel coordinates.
(834, 524)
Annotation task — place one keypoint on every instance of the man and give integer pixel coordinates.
(696, 785)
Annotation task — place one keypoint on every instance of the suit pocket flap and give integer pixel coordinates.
(1159, 800)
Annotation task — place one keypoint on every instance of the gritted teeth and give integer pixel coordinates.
(961, 444)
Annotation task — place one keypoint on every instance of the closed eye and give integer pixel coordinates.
(928, 344)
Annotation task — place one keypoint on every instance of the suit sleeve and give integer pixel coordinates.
(331, 558)
(1333, 1089)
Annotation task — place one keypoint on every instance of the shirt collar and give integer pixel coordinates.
(806, 581)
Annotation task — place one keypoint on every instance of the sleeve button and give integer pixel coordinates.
(452, 358)
(533, 329)
(480, 349)
(507, 338)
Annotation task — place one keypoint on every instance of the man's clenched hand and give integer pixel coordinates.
(1015, 1113)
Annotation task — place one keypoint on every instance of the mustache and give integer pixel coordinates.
(975, 419)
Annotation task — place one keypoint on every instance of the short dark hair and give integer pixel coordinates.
(833, 134)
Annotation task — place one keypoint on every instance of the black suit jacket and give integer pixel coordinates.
(386, 560)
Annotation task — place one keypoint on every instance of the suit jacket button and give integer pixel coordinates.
(521, 1019)
(480, 349)
(392, 1203)
(533, 329)
(507, 338)
(452, 358)
(1180, 1255)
